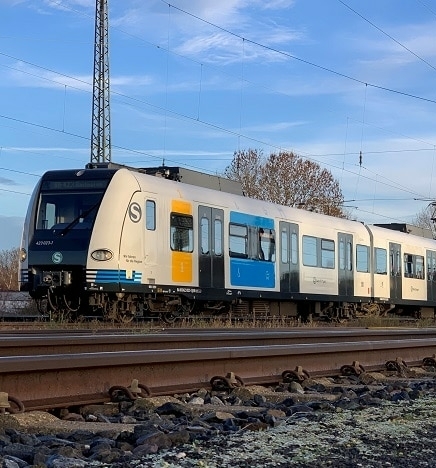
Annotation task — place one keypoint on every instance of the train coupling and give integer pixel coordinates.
(56, 278)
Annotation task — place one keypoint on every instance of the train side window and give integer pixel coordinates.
(420, 267)
(218, 237)
(284, 246)
(204, 235)
(341, 255)
(150, 215)
(413, 266)
(362, 258)
(408, 266)
(381, 261)
(431, 266)
(349, 256)
(345, 255)
(181, 233)
(238, 236)
(267, 245)
(395, 262)
(327, 253)
(294, 248)
(309, 251)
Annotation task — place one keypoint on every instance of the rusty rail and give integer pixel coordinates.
(67, 341)
(43, 381)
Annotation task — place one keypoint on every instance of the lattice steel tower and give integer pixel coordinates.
(101, 127)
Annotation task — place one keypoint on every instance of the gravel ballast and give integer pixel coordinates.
(365, 421)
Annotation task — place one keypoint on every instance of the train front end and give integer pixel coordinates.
(56, 237)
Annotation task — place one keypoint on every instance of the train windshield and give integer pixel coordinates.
(63, 207)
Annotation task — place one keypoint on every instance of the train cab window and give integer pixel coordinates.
(218, 237)
(181, 233)
(60, 210)
(381, 261)
(150, 215)
(238, 240)
(362, 258)
(47, 216)
(267, 245)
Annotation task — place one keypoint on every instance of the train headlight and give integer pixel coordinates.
(102, 255)
(23, 255)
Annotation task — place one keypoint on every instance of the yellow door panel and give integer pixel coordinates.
(181, 266)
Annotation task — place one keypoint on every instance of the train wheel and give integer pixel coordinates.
(187, 307)
(169, 317)
(125, 316)
(114, 311)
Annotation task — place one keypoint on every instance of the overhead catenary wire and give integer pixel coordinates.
(387, 35)
(299, 59)
(239, 134)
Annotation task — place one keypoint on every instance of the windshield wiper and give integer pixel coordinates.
(82, 216)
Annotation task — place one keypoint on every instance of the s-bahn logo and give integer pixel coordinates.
(57, 257)
(135, 212)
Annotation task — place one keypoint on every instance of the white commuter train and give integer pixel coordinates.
(122, 243)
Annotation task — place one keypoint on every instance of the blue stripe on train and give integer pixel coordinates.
(112, 276)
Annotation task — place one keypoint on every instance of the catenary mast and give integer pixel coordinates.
(101, 134)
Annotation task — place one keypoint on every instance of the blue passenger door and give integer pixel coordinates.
(288, 252)
(211, 254)
(345, 266)
(395, 270)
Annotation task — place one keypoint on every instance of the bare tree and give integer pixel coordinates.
(287, 179)
(9, 269)
(425, 219)
(246, 168)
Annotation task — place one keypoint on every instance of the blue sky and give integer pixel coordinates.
(192, 81)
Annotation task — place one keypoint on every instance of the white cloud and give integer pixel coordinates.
(5, 181)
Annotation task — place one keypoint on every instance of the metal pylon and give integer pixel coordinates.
(101, 128)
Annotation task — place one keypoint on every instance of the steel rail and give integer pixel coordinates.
(72, 342)
(45, 381)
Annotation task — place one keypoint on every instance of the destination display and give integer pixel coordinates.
(80, 184)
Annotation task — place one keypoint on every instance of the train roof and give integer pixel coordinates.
(222, 184)
(200, 179)
(180, 174)
(408, 229)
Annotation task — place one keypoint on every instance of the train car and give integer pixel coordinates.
(121, 243)
(404, 267)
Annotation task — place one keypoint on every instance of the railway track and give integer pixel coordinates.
(31, 342)
(50, 370)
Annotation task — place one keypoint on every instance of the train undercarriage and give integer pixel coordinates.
(62, 303)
